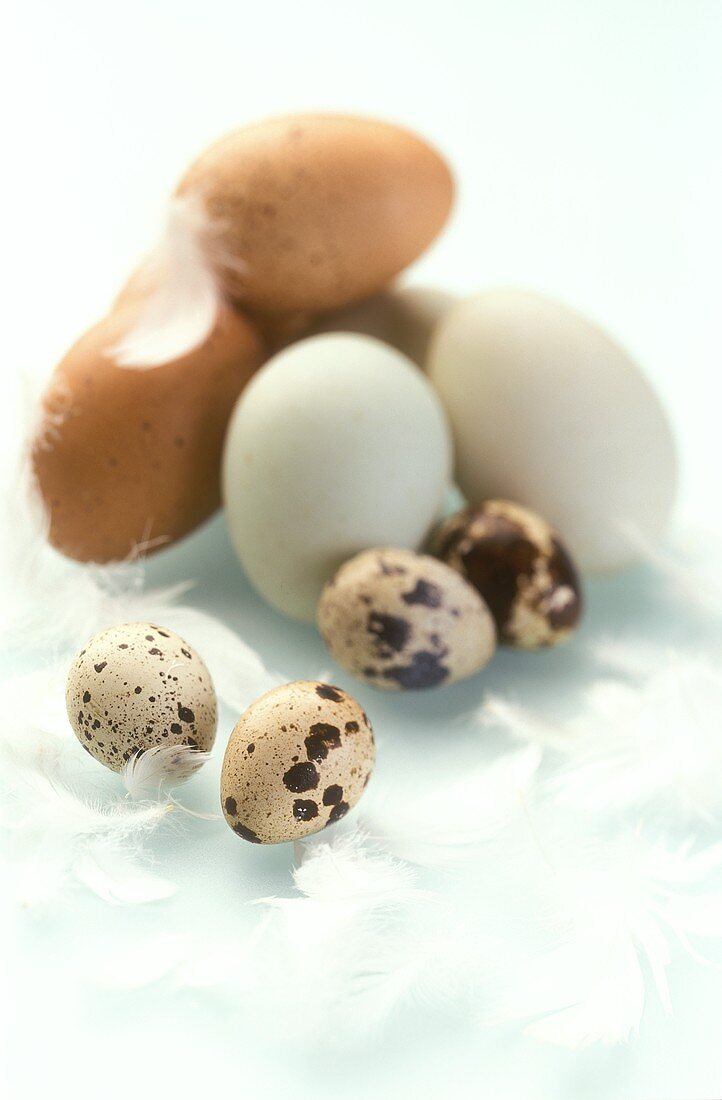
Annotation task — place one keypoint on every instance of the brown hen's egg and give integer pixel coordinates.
(400, 620)
(516, 562)
(281, 329)
(138, 686)
(312, 212)
(128, 458)
(298, 760)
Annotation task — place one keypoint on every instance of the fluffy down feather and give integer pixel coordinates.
(179, 289)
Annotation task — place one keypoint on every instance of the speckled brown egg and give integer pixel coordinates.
(400, 620)
(320, 210)
(138, 686)
(516, 562)
(127, 459)
(298, 760)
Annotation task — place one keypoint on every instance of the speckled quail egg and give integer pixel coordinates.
(298, 760)
(516, 562)
(138, 686)
(400, 620)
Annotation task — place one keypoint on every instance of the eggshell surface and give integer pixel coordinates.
(128, 458)
(404, 317)
(548, 411)
(338, 444)
(138, 686)
(399, 620)
(297, 760)
(321, 210)
(517, 564)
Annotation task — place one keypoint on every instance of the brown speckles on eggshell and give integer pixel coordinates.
(326, 691)
(391, 632)
(300, 772)
(404, 621)
(301, 777)
(429, 595)
(516, 562)
(115, 679)
(322, 737)
(332, 795)
(305, 809)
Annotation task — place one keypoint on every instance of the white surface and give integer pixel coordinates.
(585, 139)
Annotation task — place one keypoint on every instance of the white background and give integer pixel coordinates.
(586, 141)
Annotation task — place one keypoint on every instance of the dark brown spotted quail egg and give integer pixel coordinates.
(516, 562)
(298, 759)
(138, 686)
(400, 620)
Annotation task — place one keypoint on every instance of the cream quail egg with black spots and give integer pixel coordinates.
(298, 760)
(139, 686)
(400, 620)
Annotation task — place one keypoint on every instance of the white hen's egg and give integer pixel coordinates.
(338, 445)
(548, 411)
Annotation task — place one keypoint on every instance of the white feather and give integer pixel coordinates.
(519, 722)
(596, 986)
(658, 746)
(352, 916)
(151, 959)
(553, 927)
(116, 879)
(163, 766)
(181, 295)
(43, 802)
(613, 906)
(349, 872)
(651, 742)
(56, 812)
(693, 584)
(461, 816)
(226, 967)
(56, 605)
